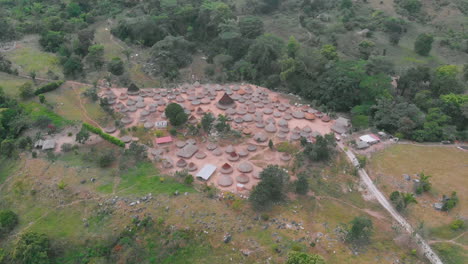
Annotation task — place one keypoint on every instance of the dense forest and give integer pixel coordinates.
(426, 103)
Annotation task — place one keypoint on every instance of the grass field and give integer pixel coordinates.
(446, 165)
(11, 83)
(67, 104)
(37, 110)
(29, 57)
(61, 213)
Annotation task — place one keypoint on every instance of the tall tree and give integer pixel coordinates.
(423, 44)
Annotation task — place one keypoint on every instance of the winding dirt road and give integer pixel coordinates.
(423, 245)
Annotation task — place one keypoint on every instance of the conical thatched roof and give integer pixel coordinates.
(245, 167)
(243, 153)
(309, 116)
(200, 155)
(225, 181)
(306, 129)
(133, 89)
(217, 152)
(251, 148)
(181, 163)
(282, 123)
(326, 118)
(192, 166)
(298, 114)
(271, 128)
(242, 178)
(230, 149)
(211, 146)
(285, 156)
(226, 168)
(226, 100)
(233, 156)
(260, 137)
(180, 144)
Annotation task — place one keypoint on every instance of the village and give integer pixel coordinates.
(258, 113)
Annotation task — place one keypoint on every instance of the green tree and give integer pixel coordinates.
(42, 99)
(412, 6)
(264, 54)
(360, 231)
(95, 56)
(26, 91)
(293, 47)
(52, 40)
(176, 115)
(270, 189)
(73, 66)
(8, 221)
(322, 150)
(296, 257)
(251, 26)
(424, 184)
(221, 125)
(423, 44)
(329, 52)
(82, 136)
(445, 80)
(207, 122)
(301, 185)
(32, 248)
(116, 66)
(73, 9)
(170, 54)
(270, 144)
(450, 202)
(365, 48)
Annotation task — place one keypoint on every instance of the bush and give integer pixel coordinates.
(105, 136)
(106, 158)
(176, 115)
(301, 185)
(8, 221)
(270, 189)
(457, 224)
(116, 66)
(26, 91)
(67, 147)
(32, 248)
(173, 131)
(48, 87)
(423, 44)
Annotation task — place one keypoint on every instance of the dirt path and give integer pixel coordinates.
(85, 112)
(424, 246)
(367, 211)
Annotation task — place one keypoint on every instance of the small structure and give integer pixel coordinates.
(181, 163)
(206, 172)
(226, 168)
(225, 102)
(260, 137)
(188, 151)
(361, 145)
(341, 125)
(242, 178)
(160, 124)
(370, 139)
(200, 155)
(217, 152)
(245, 167)
(233, 156)
(192, 167)
(163, 140)
(225, 181)
(48, 144)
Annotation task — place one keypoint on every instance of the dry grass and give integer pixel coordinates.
(446, 165)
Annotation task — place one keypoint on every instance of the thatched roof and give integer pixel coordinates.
(192, 166)
(133, 88)
(211, 146)
(181, 163)
(242, 178)
(271, 128)
(298, 114)
(217, 152)
(230, 149)
(226, 100)
(200, 155)
(251, 148)
(326, 118)
(233, 156)
(260, 137)
(245, 167)
(225, 181)
(226, 168)
(187, 151)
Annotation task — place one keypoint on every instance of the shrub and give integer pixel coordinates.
(173, 131)
(26, 90)
(176, 115)
(423, 44)
(106, 158)
(67, 147)
(286, 147)
(48, 87)
(32, 248)
(8, 221)
(457, 224)
(105, 136)
(301, 185)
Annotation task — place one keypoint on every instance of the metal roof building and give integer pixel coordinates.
(206, 172)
